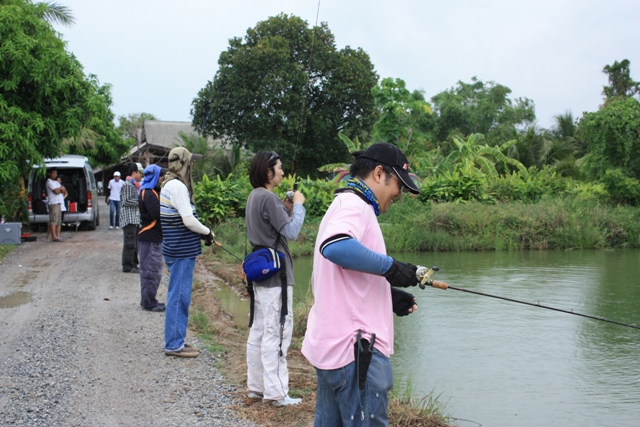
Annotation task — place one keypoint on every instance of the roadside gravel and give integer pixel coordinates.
(83, 352)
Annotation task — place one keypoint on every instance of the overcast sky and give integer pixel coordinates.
(158, 54)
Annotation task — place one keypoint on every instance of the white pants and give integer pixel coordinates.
(267, 372)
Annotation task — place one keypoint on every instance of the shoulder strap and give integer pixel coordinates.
(155, 221)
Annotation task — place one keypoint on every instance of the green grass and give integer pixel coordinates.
(5, 250)
(199, 322)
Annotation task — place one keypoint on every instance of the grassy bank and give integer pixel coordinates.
(550, 224)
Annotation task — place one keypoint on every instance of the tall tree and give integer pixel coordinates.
(131, 124)
(45, 98)
(613, 136)
(47, 104)
(479, 107)
(285, 87)
(621, 85)
(404, 116)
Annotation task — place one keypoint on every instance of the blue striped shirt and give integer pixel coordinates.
(178, 241)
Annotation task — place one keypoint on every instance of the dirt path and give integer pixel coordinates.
(83, 352)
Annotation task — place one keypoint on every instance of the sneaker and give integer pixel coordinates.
(134, 270)
(254, 395)
(185, 352)
(191, 348)
(157, 308)
(288, 401)
(117, 227)
(111, 227)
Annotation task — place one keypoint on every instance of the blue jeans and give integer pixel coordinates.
(337, 402)
(178, 301)
(114, 213)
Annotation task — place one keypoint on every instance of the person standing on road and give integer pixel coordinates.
(349, 337)
(115, 186)
(130, 219)
(181, 235)
(270, 222)
(150, 238)
(55, 196)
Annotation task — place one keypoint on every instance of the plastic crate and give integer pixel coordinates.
(10, 233)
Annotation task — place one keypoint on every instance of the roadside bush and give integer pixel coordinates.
(218, 199)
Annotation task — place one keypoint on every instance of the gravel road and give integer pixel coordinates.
(84, 353)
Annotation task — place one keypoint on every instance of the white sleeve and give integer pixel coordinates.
(182, 203)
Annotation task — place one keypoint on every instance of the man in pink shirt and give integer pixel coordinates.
(349, 336)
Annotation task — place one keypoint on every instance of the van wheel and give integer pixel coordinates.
(91, 225)
(97, 220)
(34, 228)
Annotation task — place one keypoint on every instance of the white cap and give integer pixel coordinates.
(116, 173)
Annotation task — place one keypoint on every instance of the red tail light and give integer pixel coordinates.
(30, 206)
(89, 204)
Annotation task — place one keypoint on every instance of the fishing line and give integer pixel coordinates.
(424, 277)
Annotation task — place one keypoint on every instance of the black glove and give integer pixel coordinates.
(208, 239)
(402, 302)
(401, 274)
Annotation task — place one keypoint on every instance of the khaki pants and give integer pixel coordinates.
(55, 214)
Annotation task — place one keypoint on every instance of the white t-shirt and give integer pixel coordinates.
(115, 187)
(54, 199)
(347, 300)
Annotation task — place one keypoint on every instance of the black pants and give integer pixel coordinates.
(130, 247)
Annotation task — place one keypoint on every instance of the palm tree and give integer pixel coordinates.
(530, 147)
(56, 13)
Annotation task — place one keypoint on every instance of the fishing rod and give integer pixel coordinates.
(218, 244)
(423, 274)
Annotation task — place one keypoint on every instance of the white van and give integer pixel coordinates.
(77, 177)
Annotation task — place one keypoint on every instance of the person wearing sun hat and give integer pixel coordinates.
(181, 235)
(150, 238)
(349, 337)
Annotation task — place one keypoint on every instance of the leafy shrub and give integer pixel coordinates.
(318, 193)
(218, 200)
(530, 186)
(454, 186)
(621, 188)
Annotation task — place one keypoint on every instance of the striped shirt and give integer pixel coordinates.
(178, 241)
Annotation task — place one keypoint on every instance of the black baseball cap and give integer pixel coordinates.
(392, 156)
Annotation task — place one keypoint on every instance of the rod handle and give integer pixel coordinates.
(218, 244)
(440, 285)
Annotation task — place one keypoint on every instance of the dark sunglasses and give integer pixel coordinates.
(274, 156)
(403, 188)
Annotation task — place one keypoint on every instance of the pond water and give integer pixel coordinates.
(498, 363)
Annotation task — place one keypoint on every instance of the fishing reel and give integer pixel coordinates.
(423, 274)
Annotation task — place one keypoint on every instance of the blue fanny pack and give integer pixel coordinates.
(262, 263)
